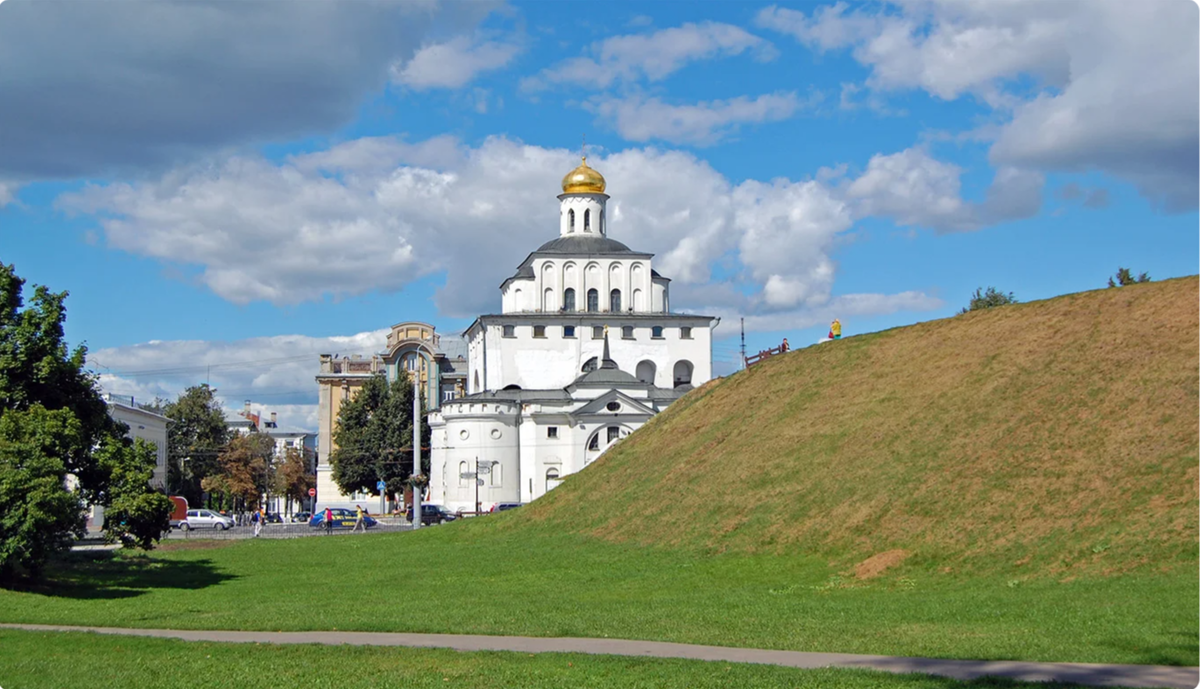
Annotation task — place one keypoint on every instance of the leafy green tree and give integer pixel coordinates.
(374, 438)
(1125, 277)
(986, 300)
(194, 442)
(135, 517)
(59, 448)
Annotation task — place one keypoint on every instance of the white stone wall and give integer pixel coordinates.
(554, 361)
(149, 427)
(464, 432)
(592, 205)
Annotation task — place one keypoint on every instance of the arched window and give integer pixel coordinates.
(646, 370)
(589, 365)
(571, 220)
(476, 388)
(594, 443)
(614, 300)
(569, 299)
(587, 221)
(551, 478)
(601, 223)
(548, 300)
(593, 300)
(656, 331)
(462, 470)
(410, 361)
(683, 372)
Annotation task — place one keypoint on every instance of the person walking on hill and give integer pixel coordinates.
(328, 520)
(358, 520)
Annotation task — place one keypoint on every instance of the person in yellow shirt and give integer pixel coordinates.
(835, 330)
(358, 519)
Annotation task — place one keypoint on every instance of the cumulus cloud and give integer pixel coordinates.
(454, 63)
(653, 56)
(375, 214)
(641, 119)
(89, 88)
(277, 373)
(1115, 83)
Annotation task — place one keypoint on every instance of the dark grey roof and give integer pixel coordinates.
(513, 396)
(607, 377)
(584, 244)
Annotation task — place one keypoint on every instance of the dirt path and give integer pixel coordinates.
(1081, 673)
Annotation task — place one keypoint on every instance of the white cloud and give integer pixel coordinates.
(642, 119)
(1116, 82)
(375, 214)
(277, 373)
(453, 64)
(652, 56)
(912, 188)
(8, 194)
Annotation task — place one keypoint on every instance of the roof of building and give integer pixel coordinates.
(452, 347)
(587, 244)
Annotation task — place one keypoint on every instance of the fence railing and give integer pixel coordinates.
(766, 354)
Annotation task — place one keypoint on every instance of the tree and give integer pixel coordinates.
(242, 474)
(195, 441)
(293, 478)
(135, 517)
(1125, 277)
(986, 300)
(59, 448)
(374, 438)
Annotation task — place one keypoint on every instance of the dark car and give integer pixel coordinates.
(432, 514)
(301, 516)
(502, 506)
(274, 518)
(342, 519)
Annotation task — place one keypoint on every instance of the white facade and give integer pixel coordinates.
(584, 351)
(146, 425)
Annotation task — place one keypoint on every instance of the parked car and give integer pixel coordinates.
(432, 514)
(302, 516)
(199, 519)
(274, 518)
(342, 519)
(502, 506)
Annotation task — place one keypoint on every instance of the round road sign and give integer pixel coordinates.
(312, 492)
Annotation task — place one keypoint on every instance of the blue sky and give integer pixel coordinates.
(227, 190)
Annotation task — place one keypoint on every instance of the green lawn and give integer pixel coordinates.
(473, 578)
(31, 660)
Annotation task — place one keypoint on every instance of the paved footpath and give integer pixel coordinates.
(1081, 673)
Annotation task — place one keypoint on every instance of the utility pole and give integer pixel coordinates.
(416, 490)
(743, 344)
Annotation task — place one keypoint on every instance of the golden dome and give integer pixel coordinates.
(583, 180)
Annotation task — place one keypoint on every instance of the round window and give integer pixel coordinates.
(613, 406)
(496, 434)
(464, 434)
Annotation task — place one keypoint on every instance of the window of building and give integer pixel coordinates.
(589, 365)
(656, 332)
(600, 225)
(613, 433)
(571, 220)
(593, 300)
(569, 300)
(462, 473)
(597, 332)
(552, 431)
(594, 443)
(447, 395)
(587, 221)
(646, 371)
(568, 331)
(614, 300)
(613, 406)
(685, 333)
(627, 332)
(510, 331)
(551, 478)
(539, 331)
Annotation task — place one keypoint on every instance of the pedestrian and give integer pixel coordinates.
(835, 330)
(358, 519)
(257, 521)
(328, 520)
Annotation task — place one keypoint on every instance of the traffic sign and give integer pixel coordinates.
(380, 485)
(312, 492)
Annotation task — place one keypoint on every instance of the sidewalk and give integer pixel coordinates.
(1080, 673)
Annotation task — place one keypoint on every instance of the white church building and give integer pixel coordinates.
(584, 351)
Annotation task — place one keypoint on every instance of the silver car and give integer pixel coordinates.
(201, 518)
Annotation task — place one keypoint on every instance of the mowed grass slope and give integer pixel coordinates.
(1055, 437)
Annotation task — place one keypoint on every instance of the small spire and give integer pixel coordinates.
(583, 150)
(606, 360)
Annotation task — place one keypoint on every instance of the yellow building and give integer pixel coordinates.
(438, 367)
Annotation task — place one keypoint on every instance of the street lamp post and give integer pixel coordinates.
(416, 489)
